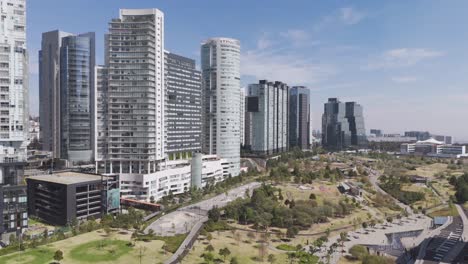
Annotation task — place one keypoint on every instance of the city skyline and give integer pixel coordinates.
(398, 64)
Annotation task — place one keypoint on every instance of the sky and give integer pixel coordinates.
(405, 62)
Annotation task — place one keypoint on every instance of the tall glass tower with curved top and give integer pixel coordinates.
(220, 65)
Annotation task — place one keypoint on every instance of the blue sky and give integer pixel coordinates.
(406, 62)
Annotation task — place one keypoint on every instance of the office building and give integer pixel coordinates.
(220, 64)
(101, 126)
(376, 132)
(419, 135)
(66, 91)
(445, 139)
(136, 93)
(336, 134)
(13, 209)
(299, 117)
(14, 115)
(242, 116)
(183, 106)
(434, 148)
(354, 114)
(174, 177)
(268, 103)
(63, 197)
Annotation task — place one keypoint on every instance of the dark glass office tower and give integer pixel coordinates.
(66, 91)
(335, 127)
(299, 117)
(77, 96)
(354, 114)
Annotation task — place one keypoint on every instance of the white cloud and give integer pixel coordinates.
(264, 42)
(351, 16)
(285, 67)
(296, 36)
(404, 79)
(404, 57)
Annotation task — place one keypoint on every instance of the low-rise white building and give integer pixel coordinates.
(434, 148)
(173, 176)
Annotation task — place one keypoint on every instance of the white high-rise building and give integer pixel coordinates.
(14, 100)
(136, 92)
(220, 64)
(242, 116)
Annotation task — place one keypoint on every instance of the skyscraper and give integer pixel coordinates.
(101, 125)
(299, 117)
(220, 64)
(268, 104)
(183, 106)
(242, 116)
(335, 127)
(354, 114)
(66, 91)
(136, 93)
(14, 115)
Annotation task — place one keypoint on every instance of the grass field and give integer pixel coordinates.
(445, 211)
(246, 250)
(85, 248)
(430, 199)
(428, 170)
(35, 256)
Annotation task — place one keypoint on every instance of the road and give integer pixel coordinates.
(184, 219)
(374, 178)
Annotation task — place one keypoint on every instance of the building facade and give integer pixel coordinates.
(242, 116)
(220, 64)
(66, 91)
(419, 135)
(61, 198)
(14, 115)
(336, 134)
(268, 104)
(136, 92)
(174, 177)
(299, 117)
(183, 107)
(101, 103)
(355, 116)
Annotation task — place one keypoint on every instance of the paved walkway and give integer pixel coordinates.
(185, 218)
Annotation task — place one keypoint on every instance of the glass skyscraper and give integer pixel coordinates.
(299, 117)
(66, 91)
(354, 114)
(336, 134)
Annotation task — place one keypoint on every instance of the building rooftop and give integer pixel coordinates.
(67, 177)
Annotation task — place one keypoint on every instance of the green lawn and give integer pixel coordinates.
(34, 256)
(100, 250)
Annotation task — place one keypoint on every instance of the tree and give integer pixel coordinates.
(364, 225)
(358, 251)
(209, 248)
(58, 256)
(141, 253)
(209, 237)
(208, 257)
(312, 196)
(152, 199)
(224, 252)
(234, 260)
(214, 214)
(271, 258)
